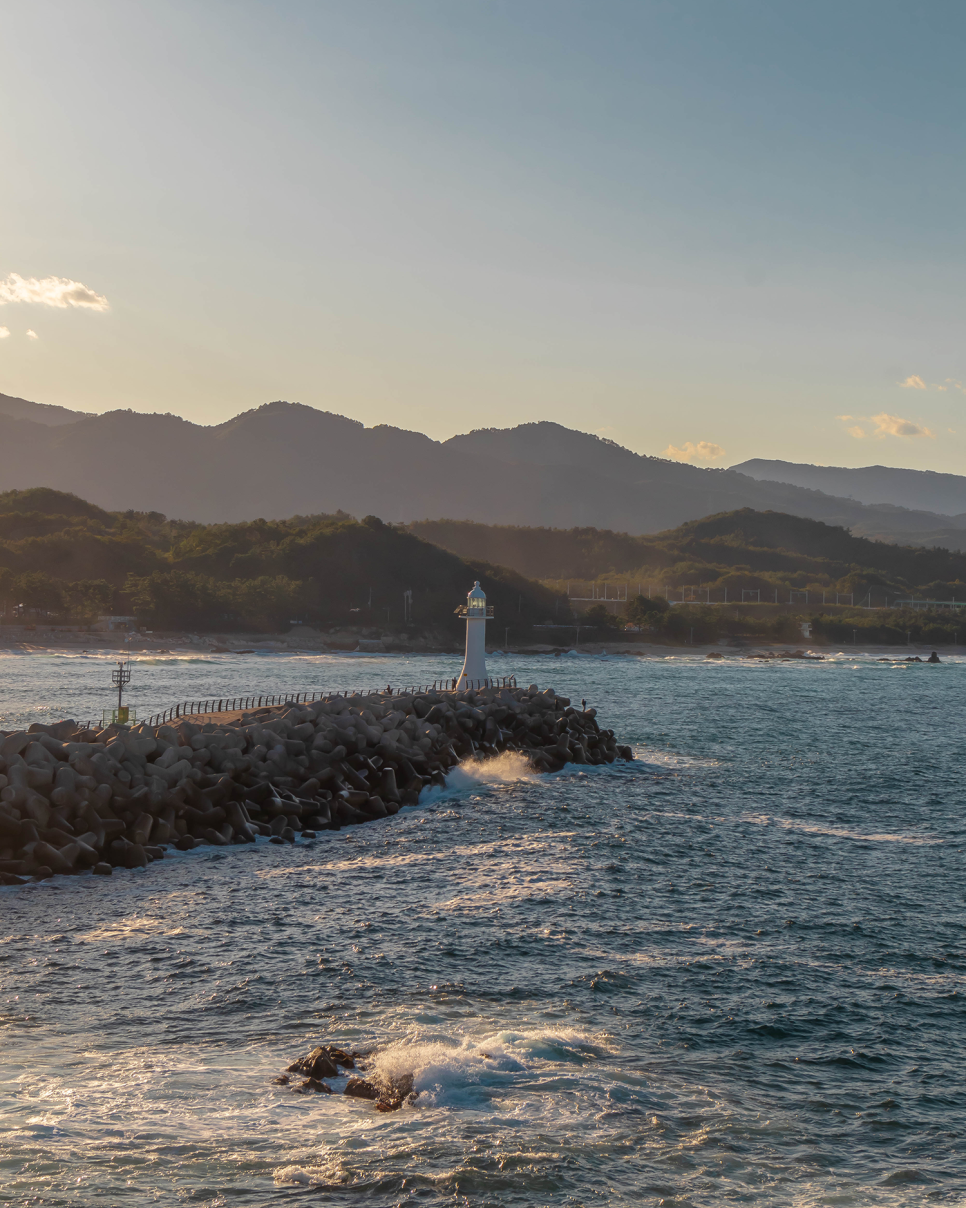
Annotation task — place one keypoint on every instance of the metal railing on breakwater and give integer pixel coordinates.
(236, 704)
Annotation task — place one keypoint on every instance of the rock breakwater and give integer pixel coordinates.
(74, 800)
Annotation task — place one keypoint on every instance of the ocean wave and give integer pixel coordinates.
(510, 767)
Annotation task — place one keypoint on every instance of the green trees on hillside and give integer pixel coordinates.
(260, 575)
(180, 599)
(767, 551)
(37, 595)
(644, 610)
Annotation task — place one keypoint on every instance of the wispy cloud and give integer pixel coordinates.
(50, 291)
(704, 450)
(31, 334)
(4, 333)
(856, 431)
(915, 382)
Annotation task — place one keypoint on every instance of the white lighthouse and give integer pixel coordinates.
(476, 612)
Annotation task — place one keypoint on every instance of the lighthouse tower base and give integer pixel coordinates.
(474, 674)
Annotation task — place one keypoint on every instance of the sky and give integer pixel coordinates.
(711, 231)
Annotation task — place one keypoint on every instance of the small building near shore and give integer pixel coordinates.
(116, 624)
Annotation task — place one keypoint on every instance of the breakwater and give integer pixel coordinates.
(73, 800)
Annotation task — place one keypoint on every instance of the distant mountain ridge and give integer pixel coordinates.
(919, 489)
(284, 459)
(40, 413)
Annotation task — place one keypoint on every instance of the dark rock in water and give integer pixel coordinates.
(103, 870)
(313, 1084)
(933, 658)
(281, 1080)
(317, 1064)
(277, 839)
(387, 1099)
(42, 873)
(358, 1088)
(341, 1057)
(186, 843)
(11, 878)
(400, 1091)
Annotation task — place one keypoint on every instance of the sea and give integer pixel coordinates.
(730, 972)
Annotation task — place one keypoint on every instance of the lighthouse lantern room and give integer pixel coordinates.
(476, 612)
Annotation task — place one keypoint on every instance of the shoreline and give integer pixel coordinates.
(179, 644)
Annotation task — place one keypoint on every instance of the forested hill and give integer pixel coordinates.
(744, 548)
(64, 558)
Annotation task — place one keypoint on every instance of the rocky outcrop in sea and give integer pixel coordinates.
(73, 800)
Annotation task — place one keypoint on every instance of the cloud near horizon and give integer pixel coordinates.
(50, 291)
(885, 425)
(704, 450)
(913, 382)
(4, 333)
(31, 334)
(892, 425)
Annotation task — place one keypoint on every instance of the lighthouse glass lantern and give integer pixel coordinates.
(476, 612)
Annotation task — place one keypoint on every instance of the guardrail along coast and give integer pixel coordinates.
(73, 799)
(224, 704)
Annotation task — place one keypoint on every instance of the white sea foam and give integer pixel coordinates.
(814, 828)
(838, 832)
(465, 1072)
(510, 767)
(663, 757)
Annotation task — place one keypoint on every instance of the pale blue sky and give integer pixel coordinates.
(721, 222)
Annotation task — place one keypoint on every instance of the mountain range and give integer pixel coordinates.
(925, 490)
(285, 459)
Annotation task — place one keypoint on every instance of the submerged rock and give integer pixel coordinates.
(358, 1088)
(312, 1084)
